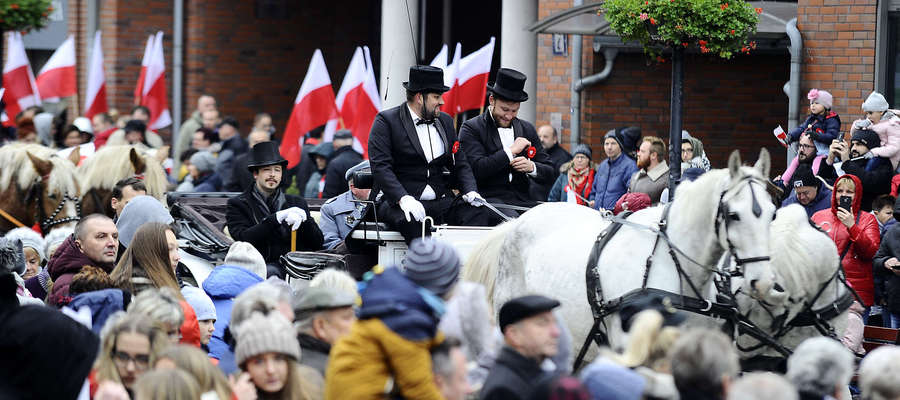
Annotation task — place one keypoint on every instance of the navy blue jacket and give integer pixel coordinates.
(825, 128)
(821, 202)
(611, 181)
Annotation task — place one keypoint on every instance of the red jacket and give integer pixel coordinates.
(863, 238)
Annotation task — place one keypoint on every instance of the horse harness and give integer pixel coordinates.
(48, 221)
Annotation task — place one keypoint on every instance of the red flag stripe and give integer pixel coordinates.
(57, 82)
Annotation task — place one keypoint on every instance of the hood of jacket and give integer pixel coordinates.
(138, 211)
(228, 281)
(102, 304)
(394, 299)
(857, 196)
(68, 259)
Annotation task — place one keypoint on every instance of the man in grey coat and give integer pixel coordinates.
(322, 316)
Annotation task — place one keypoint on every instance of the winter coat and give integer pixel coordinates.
(611, 181)
(66, 262)
(875, 175)
(343, 159)
(821, 202)
(888, 130)
(862, 238)
(558, 192)
(513, 377)
(823, 128)
(190, 328)
(890, 247)
(222, 285)
(558, 157)
(390, 342)
(208, 183)
(102, 304)
(314, 352)
(652, 182)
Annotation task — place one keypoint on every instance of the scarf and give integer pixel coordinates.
(267, 205)
(580, 181)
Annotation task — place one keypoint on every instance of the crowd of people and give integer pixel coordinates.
(107, 309)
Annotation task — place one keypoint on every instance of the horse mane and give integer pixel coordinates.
(482, 264)
(113, 163)
(17, 167)
(801, 254)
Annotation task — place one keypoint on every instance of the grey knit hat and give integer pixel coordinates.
(29, 238)
(244, 255)
(432, 264)
(200, 302)
(875, 102)
(204, 161)
(261, 334)
(582, 149)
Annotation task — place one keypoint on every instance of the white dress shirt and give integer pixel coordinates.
(507, 138)
(432, 146)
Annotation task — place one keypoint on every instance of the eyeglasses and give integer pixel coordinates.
(806, 146)
(141, 361)
(687, 151)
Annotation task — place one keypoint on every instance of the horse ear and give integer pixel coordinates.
(734, 163)
(137, 162)
(764, 163)
(43, 167)
(75, 155)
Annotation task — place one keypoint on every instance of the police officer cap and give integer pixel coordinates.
(357, 167)
(524, 307)
(318, 298)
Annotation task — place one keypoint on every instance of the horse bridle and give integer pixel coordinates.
(724, 217)
(46, 222)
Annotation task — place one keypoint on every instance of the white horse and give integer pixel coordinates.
(546, 250)
(805, 261)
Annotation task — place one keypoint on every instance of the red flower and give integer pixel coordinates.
(679, 27)
(659, 59)
(646, 3)
(14, 6)
(732, 31)
(758, 10)
(702, 43)
(652, 21)
(753, 45)
(531, 152)
(704, 49)
(455, 147)
(685, 44)
(724, 6)
(745, 49)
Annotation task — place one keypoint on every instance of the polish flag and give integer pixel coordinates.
(95, 97)
(440, 60)
(154, 92)
(57, 78)
(139, 88)
(472, 78)
(451, 80)
(314, 106)
(18, 79)
(358, 101)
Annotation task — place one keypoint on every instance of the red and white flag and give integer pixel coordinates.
(440, 60)
(57, 77)
(154, 93)
(139, 88)
(313, 107)
(95, 96)
(472, 78)
(358, 101)
(18, 79)
(451, 80)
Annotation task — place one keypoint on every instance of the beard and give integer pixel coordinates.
(807, 158)
(643, 163)
(854, 154)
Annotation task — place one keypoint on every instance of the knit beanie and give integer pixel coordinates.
(582, 149)
(875, 102)
(200, 302)
(244, 255)
(55, 238)
(629, 137)
(867, 137)
(432, 264)
(611, 134)
(820, 96)
(29, 238)
(204, 161)
(139, 211)
(804, 177)
(261, 334)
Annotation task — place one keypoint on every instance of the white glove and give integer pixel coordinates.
(295, 218)
(413, 207)
(862, 123)
(474, 199)
(283, 215)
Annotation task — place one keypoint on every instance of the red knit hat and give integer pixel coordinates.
(632, 202)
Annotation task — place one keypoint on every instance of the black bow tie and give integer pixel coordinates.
(425, 122)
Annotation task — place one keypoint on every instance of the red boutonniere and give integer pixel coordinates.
(531, 152)
(455, 147)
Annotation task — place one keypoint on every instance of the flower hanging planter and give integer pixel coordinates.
(24, 15)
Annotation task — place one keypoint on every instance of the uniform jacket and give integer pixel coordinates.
(335, 218)
(391, 341)
(247, 223)
(222, 285)
(343, 159)
(398, 161)
(821, 202)
(652, 182)
(875, 175)
(824, 128)
(513, 377)
(611, 181)
(480, 140)
(863, 240)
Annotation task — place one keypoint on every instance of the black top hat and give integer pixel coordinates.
(509, 85)
(263, 154)
(424, 78)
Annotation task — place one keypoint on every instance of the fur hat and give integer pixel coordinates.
(200, 302)
(244, 255)
(432, 264)
(261, 334)
(875, 102)
(821, 97)
(11, 257)
(55, 238)
(29, 238)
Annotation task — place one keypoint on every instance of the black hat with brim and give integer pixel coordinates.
(509, 85)
(265, 154)
(524, 307)
(425, 78)
(662, 304)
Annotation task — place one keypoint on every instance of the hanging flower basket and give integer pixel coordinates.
(718, 27)
(24, 15)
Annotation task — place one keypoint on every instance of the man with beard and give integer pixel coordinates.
(806, 159)
(875, 173)
(264, 216)
(505, 152)
(652, 176)
(416, 162)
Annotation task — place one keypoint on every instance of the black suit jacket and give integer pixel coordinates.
(246, 224)
(342, 160)
(490, 164)
(398, 161)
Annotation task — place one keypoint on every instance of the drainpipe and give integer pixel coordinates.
(177, 68)
(610, 56)
(575, 109)
(792, 87)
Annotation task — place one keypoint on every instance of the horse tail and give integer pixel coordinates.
(484, 260)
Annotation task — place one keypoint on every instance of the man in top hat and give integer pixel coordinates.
(264, 216)
(505, 152)
(416, 161)
(530, 336)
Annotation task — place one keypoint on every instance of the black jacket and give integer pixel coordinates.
(247, 223)
(490, 164)
(398, 161)
(875, 175)
(342, 160)
(558, 157)
(512, 377)
(890, 247)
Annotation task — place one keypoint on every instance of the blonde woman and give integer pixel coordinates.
(130, 344)
(167, 384)
(195, 362)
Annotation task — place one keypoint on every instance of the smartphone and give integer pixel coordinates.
(845, 202)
